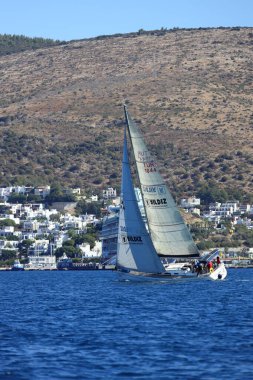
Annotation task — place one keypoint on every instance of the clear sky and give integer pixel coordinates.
(77, 19)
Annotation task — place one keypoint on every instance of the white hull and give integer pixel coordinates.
(183, 270)
(17, 266)
(219, 273)
(146, 277)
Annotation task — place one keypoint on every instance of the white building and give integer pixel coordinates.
(28, 235)
(244, 208)
(4, 193)
(195, 211)
(237, 220)
(73, 222)
(10, 245)
(60, 238)
(95, 252)
(42, 191)
(93, 198)
(109, 193)
(6, 230)
(39, 247)
(223, 210)
(44, 262)
(76, 191)
(30, 226)
(190, 202)
(234, 205)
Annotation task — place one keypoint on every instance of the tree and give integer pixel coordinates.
(17, 198)
(69, 250)
(12, 238)
(211, 193)
(205, 244)
(55, 217)
(86, 238)
(24, 245)
(4, 209)
(69, 243)
(84, 207)
(57, 195)
(7, 222)
(32, 198)
(7, 254)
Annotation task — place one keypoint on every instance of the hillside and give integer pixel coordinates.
(190, 91)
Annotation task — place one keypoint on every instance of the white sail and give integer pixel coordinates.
(168, 231)
(135, 249)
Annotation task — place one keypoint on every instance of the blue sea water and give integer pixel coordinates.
(91, 325)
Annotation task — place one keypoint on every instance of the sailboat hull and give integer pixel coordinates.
(219, 273)
(144, 277)
(183, 270)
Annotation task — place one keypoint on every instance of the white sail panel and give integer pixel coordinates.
(135, 249)
(169, 233)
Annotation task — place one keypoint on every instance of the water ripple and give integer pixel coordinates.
(80, 325)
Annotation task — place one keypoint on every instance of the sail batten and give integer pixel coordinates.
(169, 233)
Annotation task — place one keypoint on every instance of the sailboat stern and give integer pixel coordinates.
(220, 273)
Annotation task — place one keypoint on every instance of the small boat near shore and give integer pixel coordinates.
(17, 266)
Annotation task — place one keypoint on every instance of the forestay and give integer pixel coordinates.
(169, 233)
(135, 249)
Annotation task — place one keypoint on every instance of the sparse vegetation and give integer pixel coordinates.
(10, 44)
(188, 89)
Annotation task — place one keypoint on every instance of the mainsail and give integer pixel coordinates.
(135, 249)
(169, 233)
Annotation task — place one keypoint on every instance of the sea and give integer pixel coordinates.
(94, 325)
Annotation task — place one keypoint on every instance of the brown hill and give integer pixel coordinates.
(61, 110)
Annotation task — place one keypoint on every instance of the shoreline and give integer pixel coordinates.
(3, 269)
(97, 269)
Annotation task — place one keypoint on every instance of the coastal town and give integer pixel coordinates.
(42, 236)
(35, 233)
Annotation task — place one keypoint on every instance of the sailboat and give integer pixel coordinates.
(142, 247)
